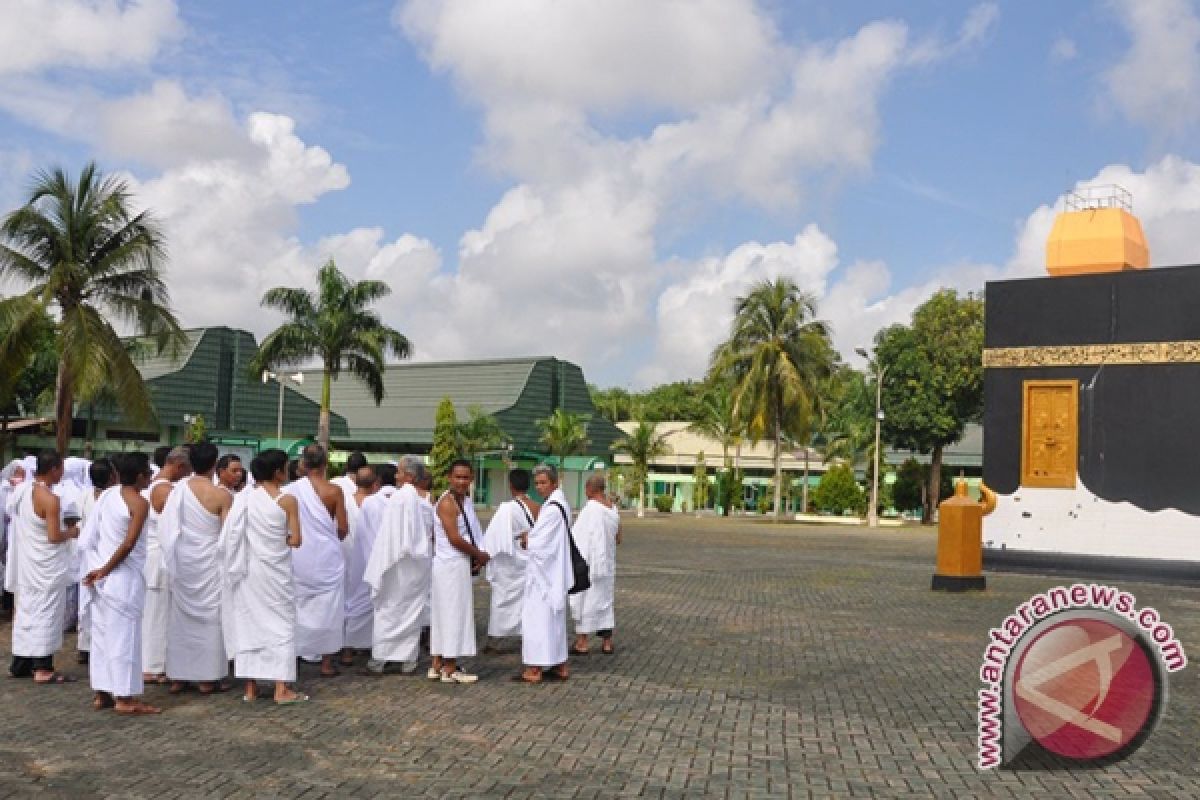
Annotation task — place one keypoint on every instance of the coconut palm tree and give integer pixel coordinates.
(480, 433)
(643, 444)
(776, 357)
(334, 326)
(564, 433)
(89, 261)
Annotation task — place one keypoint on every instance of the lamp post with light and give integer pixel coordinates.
(873, 509)
(268, 376)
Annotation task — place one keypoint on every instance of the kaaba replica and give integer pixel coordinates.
(1092, 405)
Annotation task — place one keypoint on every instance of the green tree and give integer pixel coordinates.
(197, 429)
(615, 404)
(717, 420)
(480, 433)
(27, 379)
(701, 485)
(84, 253)
(643, 444)
(838, 491)
(777, 355)
(933, 379)
(443, 452)
(335, 326)
(564, 433)
(678, 402)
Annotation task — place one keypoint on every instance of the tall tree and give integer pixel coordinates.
(700, 485)
(481, 432)
(933, 379)
(718, 421)
(564, 433)
(643, 444)
(90, 261)
(615, 404)
(444, 450)
(776, 357)
(334, 326)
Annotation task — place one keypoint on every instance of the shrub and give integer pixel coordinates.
(765, 502)
(838, 491)
(664, 502)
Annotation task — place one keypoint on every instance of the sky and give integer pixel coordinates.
(600, 179)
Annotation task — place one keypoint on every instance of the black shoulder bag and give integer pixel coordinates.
(470, 534)
(579, 565)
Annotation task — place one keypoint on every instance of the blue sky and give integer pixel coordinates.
(599, 180)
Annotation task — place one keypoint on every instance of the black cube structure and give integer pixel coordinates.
(1092, 423)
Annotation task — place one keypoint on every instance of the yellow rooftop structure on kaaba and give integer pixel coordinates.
(1097, 232)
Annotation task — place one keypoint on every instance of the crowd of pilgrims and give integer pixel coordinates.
(171, 571)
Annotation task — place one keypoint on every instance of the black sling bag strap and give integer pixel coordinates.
(467, 522)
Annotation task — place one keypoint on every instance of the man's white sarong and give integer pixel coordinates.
(506, 569)
(398, 574)
(596, 537)
(192, 559)
(319, 568)
(38, 573)
(547, 579)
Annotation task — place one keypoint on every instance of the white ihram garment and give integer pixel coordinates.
(158, 595)
(547, 579)
(192, 559)
(259, 607)
(357, 628)
(320, 571)
(452, 612)
(506, 569)
(398, 573)
(113, 606)
(596, 537)
(38, 573)
(87, 508)
(427, 516)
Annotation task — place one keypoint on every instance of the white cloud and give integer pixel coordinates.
(1157, 83)
(1063, 49)
(97, 34)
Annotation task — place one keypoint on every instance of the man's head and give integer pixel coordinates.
(462, 475)
(293, 470)
(407, 471)
(101, 473)
(423, 480)
(387, 474)
(160, 455)
(49, 467)
(204, 458)
(354, 463)
(269, 465)
(366, 479)
(133, 469)
(177, 465)
(17, 476)
(314, 459)
(545, 478)
(595, 486)
(230, 471)
(518, 481)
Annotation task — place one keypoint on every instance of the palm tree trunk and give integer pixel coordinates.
(642, 497)
(778, 464)
(935, 483)
(63, 409)
(323, 422)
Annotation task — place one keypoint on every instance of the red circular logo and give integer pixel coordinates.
(1085, 689)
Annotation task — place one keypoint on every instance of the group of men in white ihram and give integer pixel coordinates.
(179, 570)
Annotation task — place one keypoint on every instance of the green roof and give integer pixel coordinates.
(517, 391)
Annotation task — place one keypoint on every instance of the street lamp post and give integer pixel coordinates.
(873, 509)
(268, 376)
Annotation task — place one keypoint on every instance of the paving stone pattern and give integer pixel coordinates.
(753, 661)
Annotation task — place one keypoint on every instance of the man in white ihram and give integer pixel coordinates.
(597, 533)
(398, 572)
(190, 528)
(177, 465)
(319, 565)
(548, 578)
(506, 542)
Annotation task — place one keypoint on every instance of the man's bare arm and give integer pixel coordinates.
(339, 515)
(55, 533)
(139, 509)
(447, 511)
(292, 509)
(159, 495)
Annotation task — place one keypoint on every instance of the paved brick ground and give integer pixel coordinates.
(754, 661)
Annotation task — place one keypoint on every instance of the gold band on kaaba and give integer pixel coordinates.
(1093, 355)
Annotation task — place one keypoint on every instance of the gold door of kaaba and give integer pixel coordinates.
(1049, 434)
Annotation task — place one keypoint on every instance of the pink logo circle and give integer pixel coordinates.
(1085, 689)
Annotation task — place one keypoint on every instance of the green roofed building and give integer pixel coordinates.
(209, 377)
(516, 391)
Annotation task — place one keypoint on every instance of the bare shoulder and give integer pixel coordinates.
(287, 501)
(135, 502)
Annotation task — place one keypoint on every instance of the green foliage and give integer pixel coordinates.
(908, 492)
(663, 503)
(838, 491)
(643, 444)
(615, 405)
(680, 401)
(776, 358)
(848, 402)
(717, 419)
(334, 325)
(27, 380)
(80, 250)
(763, 503)
(443, 453)
(700, 489)
(563, 433)
(725, 491)
(933, 378)
(197, 429)
(480, 433)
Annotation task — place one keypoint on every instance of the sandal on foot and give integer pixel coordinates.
(140, 709)
(575, 651)
(57, 678)
(300, 698)
(520, 678)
